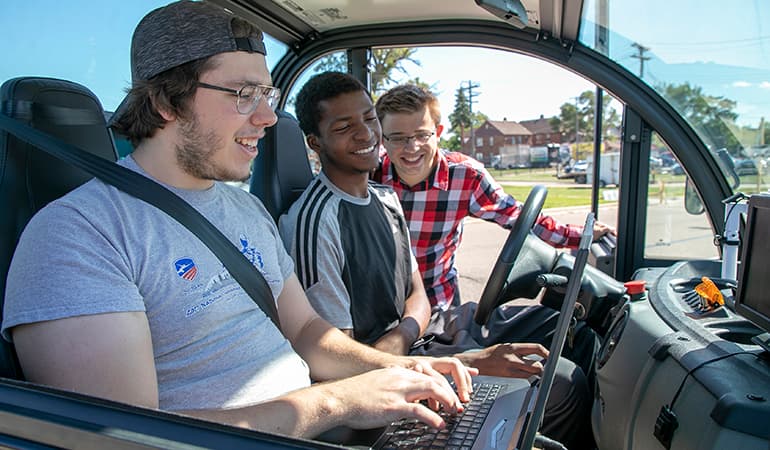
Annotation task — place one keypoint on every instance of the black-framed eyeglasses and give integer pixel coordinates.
(248, 97)
(402, 141)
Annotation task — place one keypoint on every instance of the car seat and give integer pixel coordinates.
(29, 177)
(281, 171)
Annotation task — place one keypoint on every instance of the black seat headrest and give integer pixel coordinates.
(30, 178)
(281, 171)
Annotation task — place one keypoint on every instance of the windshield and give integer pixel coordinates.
(709, 60)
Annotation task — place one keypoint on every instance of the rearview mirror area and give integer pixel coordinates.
(512, 11)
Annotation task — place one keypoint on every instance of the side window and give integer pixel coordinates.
(672, 232)
(556, 149)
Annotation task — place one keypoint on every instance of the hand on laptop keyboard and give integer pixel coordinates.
(450, 367)
(460, 431)
(396, 392)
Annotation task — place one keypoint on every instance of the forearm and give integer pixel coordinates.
(398, 340)
(370, 400)
(304, 413)
(413, 324)
(333, 355)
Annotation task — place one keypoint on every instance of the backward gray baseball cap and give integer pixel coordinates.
(179, 33)
(184, 31)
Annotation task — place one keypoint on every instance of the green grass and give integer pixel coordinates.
(580, 195)
(572, 194)
(549, 175)
(558, 197)
(534, 175)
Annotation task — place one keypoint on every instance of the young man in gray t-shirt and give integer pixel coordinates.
(134, 308)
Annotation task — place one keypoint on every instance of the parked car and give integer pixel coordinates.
(498, 164)
(676, 169)
(666, 160)
(745, 167)
(580, 166)
(669, 374)
(579, 171)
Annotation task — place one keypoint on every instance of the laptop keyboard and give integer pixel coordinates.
(460, 432)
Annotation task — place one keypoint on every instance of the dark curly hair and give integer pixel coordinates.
(319, 88)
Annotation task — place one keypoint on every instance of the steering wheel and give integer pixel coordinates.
(513, 244)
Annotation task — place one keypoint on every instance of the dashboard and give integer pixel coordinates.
(672, 374)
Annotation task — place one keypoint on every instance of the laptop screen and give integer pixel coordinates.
(562, 327)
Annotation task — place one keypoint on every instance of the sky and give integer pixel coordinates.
(515, 87)
(511, 86)
(99, 59)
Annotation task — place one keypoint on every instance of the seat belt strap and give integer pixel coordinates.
(249, 277)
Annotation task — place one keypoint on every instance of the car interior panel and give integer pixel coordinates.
(282, 171)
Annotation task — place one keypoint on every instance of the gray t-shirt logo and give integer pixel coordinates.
(251, 253)
(185, 268)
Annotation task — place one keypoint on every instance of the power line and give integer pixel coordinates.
(721, 42)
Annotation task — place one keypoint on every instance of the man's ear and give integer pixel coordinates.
(439, 130)
(312, 142)
(168, 116)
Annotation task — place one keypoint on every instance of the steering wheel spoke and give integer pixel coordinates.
(498, 281)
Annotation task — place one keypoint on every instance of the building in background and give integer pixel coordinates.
(506, 144)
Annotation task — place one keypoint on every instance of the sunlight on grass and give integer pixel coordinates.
(572, 194)
(536, 175)
(558, 197)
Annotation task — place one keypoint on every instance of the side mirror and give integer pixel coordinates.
(692, 203)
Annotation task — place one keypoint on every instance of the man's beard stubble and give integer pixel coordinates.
(196, 150)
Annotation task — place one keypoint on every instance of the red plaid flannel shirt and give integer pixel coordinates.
(459, 187)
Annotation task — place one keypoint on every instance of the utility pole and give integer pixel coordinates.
(471, 94)
(577, 129)
(642, 50)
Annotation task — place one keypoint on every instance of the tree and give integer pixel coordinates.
(580, 113)
(383, 65)
(385, 62)
(610, 117)
(565, 122)
(479, 118)
(711, 117)
(452, 144)
(460, 119)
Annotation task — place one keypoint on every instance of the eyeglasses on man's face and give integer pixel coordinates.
(402, 141)
(248, 97)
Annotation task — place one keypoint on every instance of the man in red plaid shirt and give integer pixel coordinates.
(438, 189)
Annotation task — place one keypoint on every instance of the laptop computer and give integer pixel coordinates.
(505, 413)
